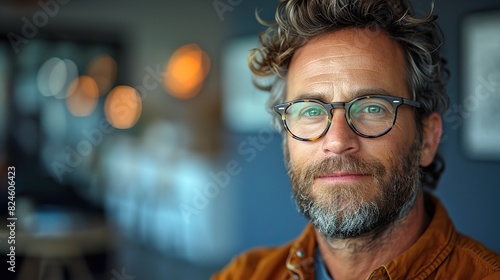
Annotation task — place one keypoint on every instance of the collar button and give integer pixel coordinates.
(300, 253)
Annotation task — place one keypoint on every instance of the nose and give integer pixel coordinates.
(340, 139)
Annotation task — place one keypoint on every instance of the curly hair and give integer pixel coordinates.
(298, 21)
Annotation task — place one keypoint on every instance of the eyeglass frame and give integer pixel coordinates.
(395, 101)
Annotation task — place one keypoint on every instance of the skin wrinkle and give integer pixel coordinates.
(315, 79)
(327, 64)
(335, 72)
(329, 58)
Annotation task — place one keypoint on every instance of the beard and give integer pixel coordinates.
(354, 210)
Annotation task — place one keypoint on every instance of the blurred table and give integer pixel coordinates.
(56, 240)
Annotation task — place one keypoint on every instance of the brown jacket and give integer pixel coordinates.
(440, 253)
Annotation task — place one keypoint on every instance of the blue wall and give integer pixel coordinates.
(469, 189)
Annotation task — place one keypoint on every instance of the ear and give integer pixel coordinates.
(432, 128)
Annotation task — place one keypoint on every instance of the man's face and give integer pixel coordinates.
(346, 184)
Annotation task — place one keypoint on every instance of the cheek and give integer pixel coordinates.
(292, 149)
(300, 152)
(404, 131)
(392, 146)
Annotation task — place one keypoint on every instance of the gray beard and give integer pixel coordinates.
(342, 212)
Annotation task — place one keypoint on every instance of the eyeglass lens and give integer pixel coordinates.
(368, 116)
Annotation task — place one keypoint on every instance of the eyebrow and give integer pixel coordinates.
(312, 95)
(326, 97)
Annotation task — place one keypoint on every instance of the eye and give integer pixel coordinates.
(373, 109)
(312, 111)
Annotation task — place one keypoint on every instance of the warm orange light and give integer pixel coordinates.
(103, 69)
(82, 96)
(185, 71)
(123, 107)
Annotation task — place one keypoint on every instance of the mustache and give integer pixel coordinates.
(348, 163)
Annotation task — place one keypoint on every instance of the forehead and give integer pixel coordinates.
(341, 63)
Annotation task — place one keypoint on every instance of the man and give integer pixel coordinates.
(359, 91)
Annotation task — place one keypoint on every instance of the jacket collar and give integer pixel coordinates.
(430, 250)
(300, 261)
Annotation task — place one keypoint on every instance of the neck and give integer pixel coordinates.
(356, 258)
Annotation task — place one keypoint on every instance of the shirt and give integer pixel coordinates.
(319, 266)
(440, 253)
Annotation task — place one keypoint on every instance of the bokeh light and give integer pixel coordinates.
(123, 107)
(55, 75)
(103, 69)
(186, 70)
(82, 96)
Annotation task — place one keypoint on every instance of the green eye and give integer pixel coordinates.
(313, 111)
(372, 109)
(304, 110)
(369, 109)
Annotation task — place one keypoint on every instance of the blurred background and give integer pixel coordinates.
(142, 151)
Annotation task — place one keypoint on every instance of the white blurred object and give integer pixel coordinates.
(244, 105)
(149, 179)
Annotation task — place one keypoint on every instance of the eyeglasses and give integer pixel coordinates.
(369, 116)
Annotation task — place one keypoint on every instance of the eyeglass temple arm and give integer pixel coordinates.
(411, 102)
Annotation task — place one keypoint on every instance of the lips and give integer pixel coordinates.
(345, 169)
(343, 176)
